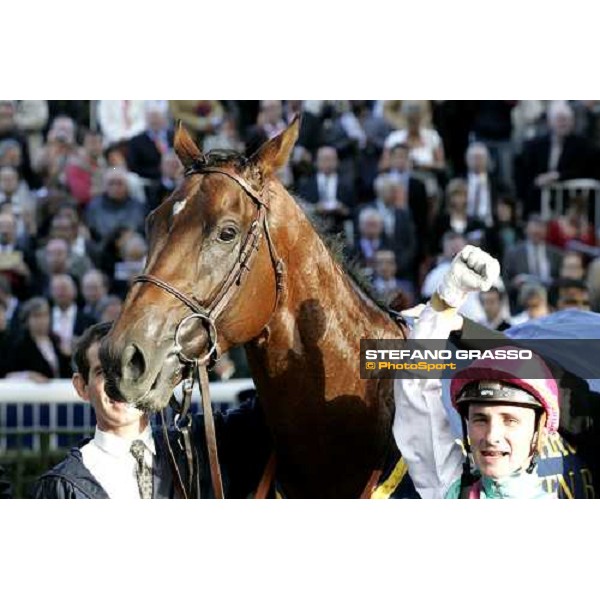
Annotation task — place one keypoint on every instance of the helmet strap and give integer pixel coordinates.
(538, 442)
(467, 478)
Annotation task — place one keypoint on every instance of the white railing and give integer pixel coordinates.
(555, 195)
(60, 391)
(52, 409)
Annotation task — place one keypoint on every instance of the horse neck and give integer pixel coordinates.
(322, 305)
(323, 417)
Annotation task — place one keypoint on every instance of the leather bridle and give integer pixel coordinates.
(208, 315)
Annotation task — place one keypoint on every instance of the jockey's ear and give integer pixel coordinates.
(274, 154)
(186, 148)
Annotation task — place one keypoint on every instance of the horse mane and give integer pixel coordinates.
(338, 249)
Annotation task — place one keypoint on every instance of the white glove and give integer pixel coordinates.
(472, 270)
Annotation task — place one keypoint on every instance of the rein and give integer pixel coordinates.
(197, 366)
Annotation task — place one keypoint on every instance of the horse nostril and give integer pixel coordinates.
(134, 364)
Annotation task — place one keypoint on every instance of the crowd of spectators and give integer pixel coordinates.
(405, 184)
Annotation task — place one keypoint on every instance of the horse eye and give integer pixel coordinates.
(227, 234)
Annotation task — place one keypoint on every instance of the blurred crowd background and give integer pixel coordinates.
(404, 184)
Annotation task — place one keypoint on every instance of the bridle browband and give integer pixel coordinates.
(208, 315)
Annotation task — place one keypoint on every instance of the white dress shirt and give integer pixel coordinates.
(327, 187)
(63, 323)
(479, 203)
(47, 349)
(108, 458)
(537, 261)
(556, 148)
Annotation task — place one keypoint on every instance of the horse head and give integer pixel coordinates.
(211, 277)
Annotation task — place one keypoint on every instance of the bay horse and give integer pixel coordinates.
(231, 236)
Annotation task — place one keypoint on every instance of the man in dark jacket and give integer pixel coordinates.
(556, 156)
(127, 459)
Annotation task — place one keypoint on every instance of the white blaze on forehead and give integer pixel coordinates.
(178, 207)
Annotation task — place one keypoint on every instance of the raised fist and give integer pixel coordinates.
(472, 270)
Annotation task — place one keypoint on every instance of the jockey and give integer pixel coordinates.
(507, 407)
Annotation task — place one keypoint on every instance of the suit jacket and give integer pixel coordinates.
(501, 238)
(244, 447)
(156, 193)
(405, 244)
(81, 323)
(575, 162)
(404, 241)
(308, 190)
(362, 260)
(417, 201)
(442, 225)
(516, 262)
(26, 356)
(143, 157)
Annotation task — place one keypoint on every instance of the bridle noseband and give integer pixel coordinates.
(208, 316)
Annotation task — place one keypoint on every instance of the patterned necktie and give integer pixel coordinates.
(143, 471)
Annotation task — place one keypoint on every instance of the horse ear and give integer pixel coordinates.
(185, 147)
(275, 153)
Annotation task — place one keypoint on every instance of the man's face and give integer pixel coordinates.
(327, 161)
(491, 304)
(63, 228)
(93, 144)
(371, 228)
(7, 114)
(112, 311)
(9, 181)
(458, 200)
(385, 264)
(11, 157)
(536, 232)
(388, 194)
(272, 111)
(116, 187)
(501, 438)
(477, 161)
(561, 124)
(573, 297)
(110, 415)
(572, 268)
(505, 212)
(63, 291)
(57, 256)
(399, 160)
(93, 288)
(63, 131)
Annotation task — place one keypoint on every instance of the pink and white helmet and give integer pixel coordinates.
(532, 376)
